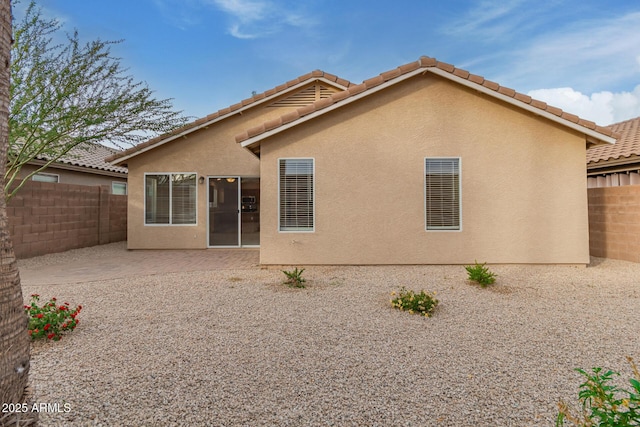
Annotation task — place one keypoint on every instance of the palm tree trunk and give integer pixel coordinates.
(14, 339)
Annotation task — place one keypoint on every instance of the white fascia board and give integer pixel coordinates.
(219, 118)
(535, 110)
(588, 132)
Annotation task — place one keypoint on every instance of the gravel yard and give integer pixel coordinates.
(234, 347)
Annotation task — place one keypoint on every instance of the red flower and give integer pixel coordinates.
(40, 316)
(62, 308)
(27, 307)
(53, 299)
(66, 303)
(51, 336)
(64, 325)
(35, 331)
(79, 308)
(35, 295)
(47, 326)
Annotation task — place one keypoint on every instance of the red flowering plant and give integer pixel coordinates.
(51, 319)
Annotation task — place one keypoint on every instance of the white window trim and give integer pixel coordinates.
(424, 196)
(126, 187)
(313, 169)
(55, 175)
(144, 195)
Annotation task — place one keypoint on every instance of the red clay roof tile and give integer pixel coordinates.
(426, 63)
(491, 85)
(373, 82)
(507, 91)
(476, 79)
(445, 66)
(391, 74)
(628, 143)
(461, 73)
(539, 104)
(571, 117)
(554, 110)
(522, 97)
(228, 110)
(352, 90)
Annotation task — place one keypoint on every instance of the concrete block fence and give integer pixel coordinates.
(614, 222)
(50, 217)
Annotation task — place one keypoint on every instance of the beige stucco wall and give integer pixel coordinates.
(523, 178)
(207, 152)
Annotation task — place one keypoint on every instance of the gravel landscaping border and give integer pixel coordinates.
(238, 348)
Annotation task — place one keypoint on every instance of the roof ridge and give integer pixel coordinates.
(315, 74)
(426, 63)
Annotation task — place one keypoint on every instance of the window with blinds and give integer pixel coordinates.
(296, 198)
(442, 192)
(170, 199)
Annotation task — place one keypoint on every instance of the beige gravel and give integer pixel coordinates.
(237, 348)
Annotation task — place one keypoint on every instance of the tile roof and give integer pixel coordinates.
(628, 144)
(440, 68)
(305, 78)
(92, 157)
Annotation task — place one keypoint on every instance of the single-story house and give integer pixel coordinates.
(423, 164)
(619, 164)
(84, 165)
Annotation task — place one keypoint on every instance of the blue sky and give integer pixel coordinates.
(580, 55)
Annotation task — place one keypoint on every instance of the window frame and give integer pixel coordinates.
(126, 188)
(311, 229)
(45, 174)
(424, 189)
(170, 198)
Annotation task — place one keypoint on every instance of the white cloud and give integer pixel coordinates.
(252, 19)
(244, 10)
(590, 54)
(604, 107)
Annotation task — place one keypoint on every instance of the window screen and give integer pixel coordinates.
(296, 201)
(442, 191)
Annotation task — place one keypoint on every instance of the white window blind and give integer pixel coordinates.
(296, 201)
(170, 199)
(442, 191)
(183, 199)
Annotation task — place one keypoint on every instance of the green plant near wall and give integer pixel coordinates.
(294, 278)
(604, 404)
(481, 274)
(422, 303)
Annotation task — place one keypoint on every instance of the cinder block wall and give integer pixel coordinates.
(614, 222)
(48, 217)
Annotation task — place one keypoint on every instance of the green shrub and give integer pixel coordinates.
(423, 303)
(603, 404)
(294, 278)
(51, 319)
(481, 274)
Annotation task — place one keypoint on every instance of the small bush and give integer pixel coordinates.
(481, 274)
(50, 320)
(422, 303)
(294, 278)
(603, 404)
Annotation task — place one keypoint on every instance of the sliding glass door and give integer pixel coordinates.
(234, 211)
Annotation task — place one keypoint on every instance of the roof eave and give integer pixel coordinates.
(592, 137)
(123, 159)
(251, 142)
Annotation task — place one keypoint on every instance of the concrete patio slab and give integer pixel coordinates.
(114, 261)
